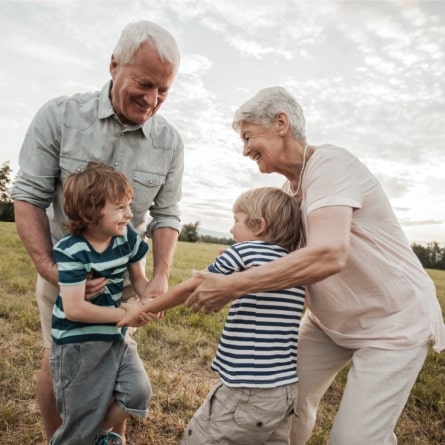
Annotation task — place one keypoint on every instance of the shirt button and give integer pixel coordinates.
(116, 164)
(150, 182)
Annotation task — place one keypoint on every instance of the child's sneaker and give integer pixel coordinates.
(109, 439)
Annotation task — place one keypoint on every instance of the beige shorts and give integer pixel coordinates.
(243, 416)
(46, 295)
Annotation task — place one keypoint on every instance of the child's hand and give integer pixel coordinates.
(156, 316)
(145, 317)
(131, 317)
(135, 316)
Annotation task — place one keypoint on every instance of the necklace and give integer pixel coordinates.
(300, 178)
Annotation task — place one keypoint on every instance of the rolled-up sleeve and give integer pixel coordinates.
(39, 159)
(165, 209)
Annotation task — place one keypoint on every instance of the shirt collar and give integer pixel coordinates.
(106, 111)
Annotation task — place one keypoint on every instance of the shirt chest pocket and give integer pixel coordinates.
(68, 166)
(146, 186)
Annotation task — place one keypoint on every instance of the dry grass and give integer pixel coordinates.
(177, 352)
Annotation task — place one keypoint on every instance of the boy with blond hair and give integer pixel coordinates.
(256, 358)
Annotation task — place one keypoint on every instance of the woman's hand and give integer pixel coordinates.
(212, 294)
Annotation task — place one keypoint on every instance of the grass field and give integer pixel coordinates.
(177, 352)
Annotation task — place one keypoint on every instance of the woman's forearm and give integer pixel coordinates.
(302, 267)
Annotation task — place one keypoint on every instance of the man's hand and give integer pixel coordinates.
(94, 286)
(156, 286)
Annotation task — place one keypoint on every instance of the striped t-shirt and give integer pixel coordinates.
(258, 346)
(75, 257)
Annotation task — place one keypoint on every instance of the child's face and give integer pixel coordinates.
(239, 229)
(115, 218)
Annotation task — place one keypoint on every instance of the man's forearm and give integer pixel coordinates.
(164, 245)
(33, 229)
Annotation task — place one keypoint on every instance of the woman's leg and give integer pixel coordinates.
(378, 386)
(318, 362)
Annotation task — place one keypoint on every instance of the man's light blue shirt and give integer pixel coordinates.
(69, 132)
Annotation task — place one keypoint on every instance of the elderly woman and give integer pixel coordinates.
(370, 302)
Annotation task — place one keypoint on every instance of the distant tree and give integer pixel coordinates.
(6, 205)
(435, 254)
(189, 232)
(432, 256)
(5, 181)
(215, 240)
(422, 254)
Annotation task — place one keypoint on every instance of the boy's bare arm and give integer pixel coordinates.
(172, 298)
(78, 309)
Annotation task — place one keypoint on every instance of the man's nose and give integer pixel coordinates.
(151, 97)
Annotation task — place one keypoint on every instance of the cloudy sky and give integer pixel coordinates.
(370, 76)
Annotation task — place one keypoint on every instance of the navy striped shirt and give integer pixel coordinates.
(258, 346)
(75, 257)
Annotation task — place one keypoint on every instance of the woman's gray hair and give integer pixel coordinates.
(266, 105)
(137, 33)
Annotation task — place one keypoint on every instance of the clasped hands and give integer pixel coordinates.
(135, 316)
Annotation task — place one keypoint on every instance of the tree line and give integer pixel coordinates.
(431, 255)
(190, 234)
(6, 205)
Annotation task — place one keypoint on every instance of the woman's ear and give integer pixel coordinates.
(281, 123)
(260, 227)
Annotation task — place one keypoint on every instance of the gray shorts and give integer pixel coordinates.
(243, 416)
(86, 376)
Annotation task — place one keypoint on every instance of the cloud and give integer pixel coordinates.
(369, 75)
(421, 222)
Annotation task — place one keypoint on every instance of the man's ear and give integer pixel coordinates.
(113, 66)
(260, 227)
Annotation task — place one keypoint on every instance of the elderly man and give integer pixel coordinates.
(118, 126)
